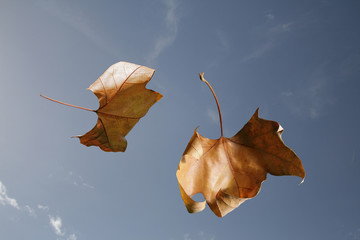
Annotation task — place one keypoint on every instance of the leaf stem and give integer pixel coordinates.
(201, 75)
(70, 105)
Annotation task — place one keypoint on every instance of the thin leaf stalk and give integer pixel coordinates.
(201, 75)
(67, 104)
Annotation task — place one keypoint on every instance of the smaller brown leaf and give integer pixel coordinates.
(123, 100)
(229, 171)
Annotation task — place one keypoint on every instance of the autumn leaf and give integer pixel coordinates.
(123, 100)
(229, 171)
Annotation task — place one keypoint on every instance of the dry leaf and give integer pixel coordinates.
(228, 171)
(123, 100)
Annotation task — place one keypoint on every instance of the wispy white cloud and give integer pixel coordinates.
(286, 26)
(72, 237)
(311, 98)
(199, 236)
(224, 43)
(87, 186)
(270, 16)
(287, 93)
(282, 27)
(166, 39)
(258, 52)
(271, 37)
(56, 224)
(45, 208)
(355, 235)
(30, 210)
(314, 95)
(213, 115)
(77, 180)
(5, 199)
(187, 236)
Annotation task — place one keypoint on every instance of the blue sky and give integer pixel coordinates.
(299, 61)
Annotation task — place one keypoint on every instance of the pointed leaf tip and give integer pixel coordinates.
(256, 114)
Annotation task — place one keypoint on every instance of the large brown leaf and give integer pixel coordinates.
(228, 171)
(123, 100)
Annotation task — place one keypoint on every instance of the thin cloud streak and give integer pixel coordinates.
(283, 27)
(169, 37)
(257, 53)
(30, 210)
(72, 237)
(287, 94)
(314, 93)
(355, 234)
(270, 16)
(224, 43)
(200, 236)
(213, 116)
(310, 100)
(77, 180)
(272, 36)
(56, 223)
(45, 208)
(5, 199)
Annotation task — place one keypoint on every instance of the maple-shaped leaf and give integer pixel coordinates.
(229, 171)
(123, 100)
